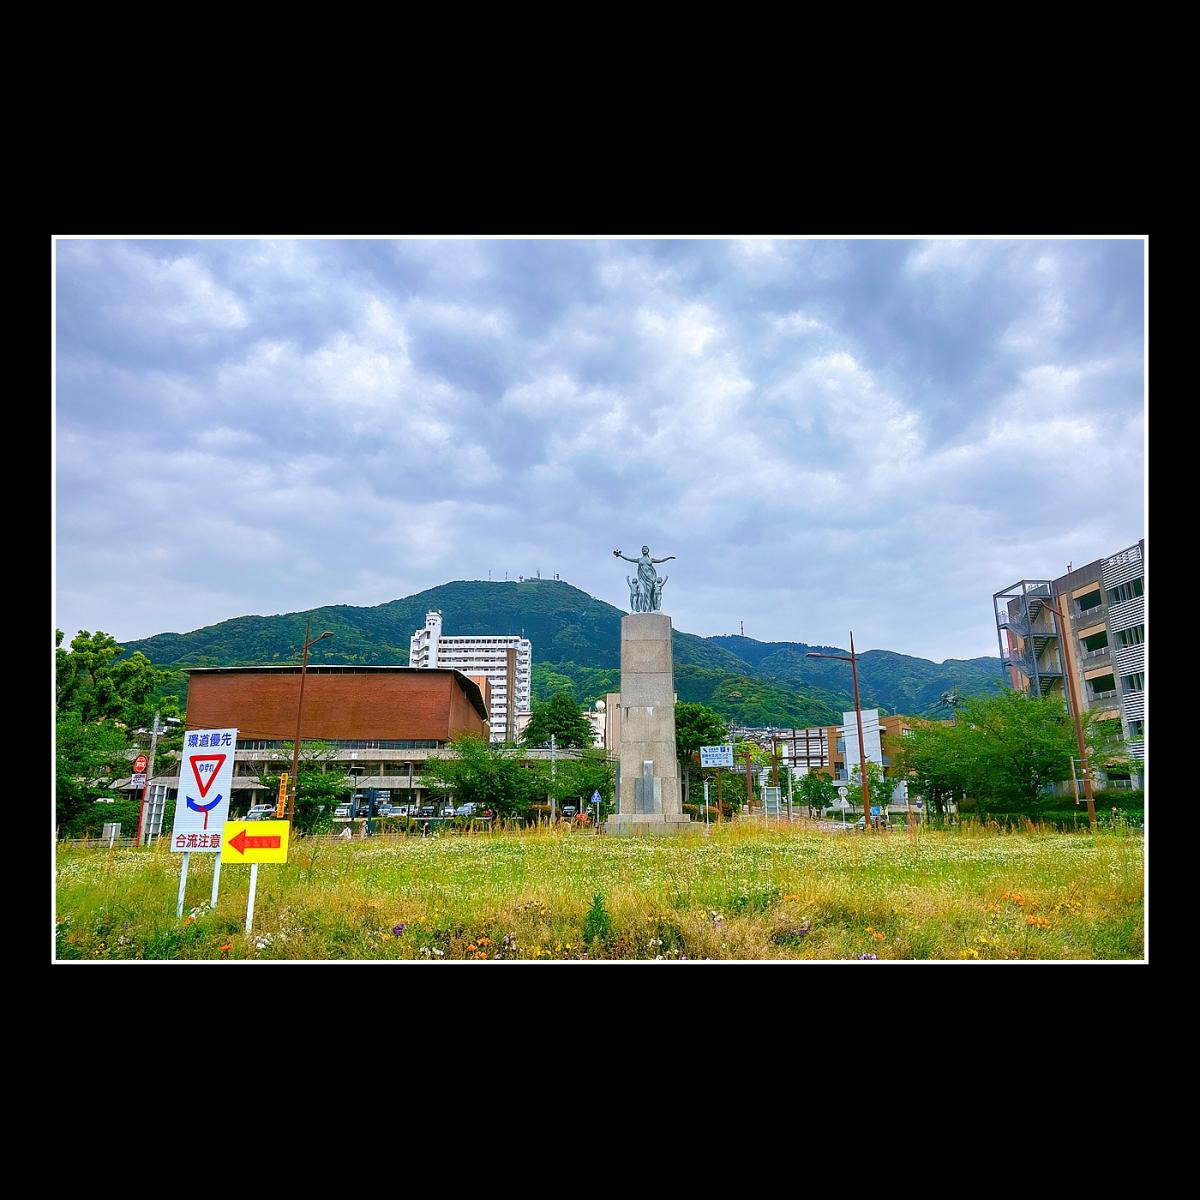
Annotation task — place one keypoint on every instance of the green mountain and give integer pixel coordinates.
(576, 645)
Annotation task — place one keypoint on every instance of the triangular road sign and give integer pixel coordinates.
(205, 784)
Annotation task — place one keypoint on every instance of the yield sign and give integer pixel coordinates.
(218, 761)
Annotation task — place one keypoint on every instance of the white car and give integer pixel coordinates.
(261, 812)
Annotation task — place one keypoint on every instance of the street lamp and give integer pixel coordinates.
(852, 659)
(299, 712)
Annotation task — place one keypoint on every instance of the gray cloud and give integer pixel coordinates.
(826, 434)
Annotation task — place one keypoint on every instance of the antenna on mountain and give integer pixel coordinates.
(742, 624)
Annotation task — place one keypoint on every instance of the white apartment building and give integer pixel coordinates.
(506, 662)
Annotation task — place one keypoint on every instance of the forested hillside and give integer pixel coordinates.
(576, 645)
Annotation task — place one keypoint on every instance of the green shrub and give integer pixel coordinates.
(597, 924)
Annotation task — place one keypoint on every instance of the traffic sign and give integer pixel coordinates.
(205, 780)
(595, 797)
(281, 802)
(139, 764)
(137, 781)
(255, 842)
(716, 756)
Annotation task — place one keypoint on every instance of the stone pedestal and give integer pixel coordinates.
(648, 800)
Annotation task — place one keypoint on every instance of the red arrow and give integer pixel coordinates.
(241, 843)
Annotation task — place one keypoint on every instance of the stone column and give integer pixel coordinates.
(649, 799)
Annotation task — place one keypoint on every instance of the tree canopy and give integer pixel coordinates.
(104, 705)
(1002, 750)
(562, 717)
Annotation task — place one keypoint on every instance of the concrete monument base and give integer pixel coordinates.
(634, 824)
(648, 796)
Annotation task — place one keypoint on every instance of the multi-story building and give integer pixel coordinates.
(1102, 644)
(840, 751)
(505, 661)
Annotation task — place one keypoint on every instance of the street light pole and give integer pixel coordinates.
(1084, 765)
(852, 659)
(299, 712)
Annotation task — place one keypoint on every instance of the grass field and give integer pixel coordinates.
(741, 892)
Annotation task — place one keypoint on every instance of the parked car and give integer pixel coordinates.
(467, 810)
(342, 811)
(447, 810)
(261, 812)
(569, 810)
(427, 810)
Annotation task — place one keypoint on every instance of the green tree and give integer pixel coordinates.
(91, 681)
(696, 725)
(929, 755)
(477, 772)
(818, 791)
(83, 754)
(560, 716)
(318, 788)
(1008, 747)
(579, 778)
(879, 787)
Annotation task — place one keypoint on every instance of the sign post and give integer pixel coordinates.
(205, 780)
(255, 842)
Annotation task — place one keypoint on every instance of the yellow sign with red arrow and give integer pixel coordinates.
(255, 842)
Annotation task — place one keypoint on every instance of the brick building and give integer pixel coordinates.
(385, 721)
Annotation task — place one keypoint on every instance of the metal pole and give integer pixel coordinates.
(155, 730)
(862, 754)
(749, 784)
(250, 902)
(706, 802)
(291, 816)
(182, 884)
(1084, 764)
(720, 774)
(553, 777)
(216, 879)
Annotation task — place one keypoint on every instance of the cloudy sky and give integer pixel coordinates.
(827, 435)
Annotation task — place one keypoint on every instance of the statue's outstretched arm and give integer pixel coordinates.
(618, 554)
(667, 559)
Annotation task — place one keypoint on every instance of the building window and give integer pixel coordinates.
(1090, 601)
(1126, 591)
(1135, 728)
(1133, 683)
(1103, 685)
(1096, 642)
(1131, 637)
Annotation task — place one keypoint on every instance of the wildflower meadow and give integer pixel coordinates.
(738, 892)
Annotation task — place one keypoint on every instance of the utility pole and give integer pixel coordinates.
(749, 784)
(155, 730)
(291, 814)
(553, 776)
(852, 659)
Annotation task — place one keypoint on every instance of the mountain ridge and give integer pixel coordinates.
(576, 644)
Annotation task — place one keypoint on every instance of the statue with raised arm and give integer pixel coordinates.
(647, 596)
